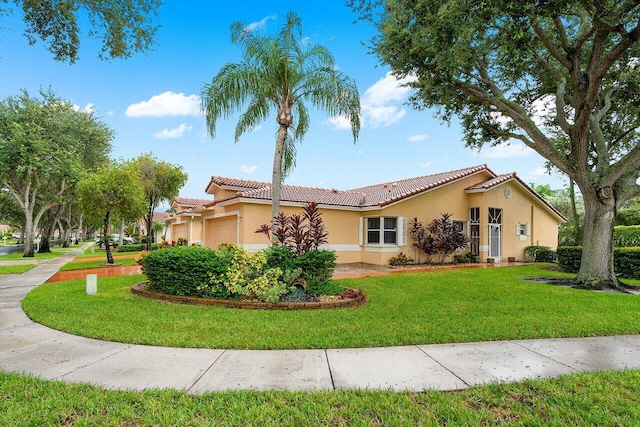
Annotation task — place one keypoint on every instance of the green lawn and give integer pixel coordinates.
(55, 252)
(83, 265)
(589, 399)
(16, 269)
(461, 305)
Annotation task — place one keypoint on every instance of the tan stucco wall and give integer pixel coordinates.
(521, 207)
(344, 225)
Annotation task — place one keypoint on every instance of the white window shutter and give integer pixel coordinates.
(528, 229)
(361, 232)
(402, 231)
(518, 229)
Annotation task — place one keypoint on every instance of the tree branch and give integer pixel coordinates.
(561, 118)
(548, 43)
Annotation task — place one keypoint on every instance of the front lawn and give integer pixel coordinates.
(461, 305)
(16, 269)
(56, 251)
(588, 399)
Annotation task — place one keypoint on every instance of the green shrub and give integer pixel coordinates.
(136, 247)
(250, 276)
(569, 258)
(281, 257)
(539, 253)
(626, 236)
(317, 267)
(465, 258)
(626, 261)
(183, 270)
(400, 259)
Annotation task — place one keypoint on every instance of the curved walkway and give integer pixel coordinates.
(30, 348)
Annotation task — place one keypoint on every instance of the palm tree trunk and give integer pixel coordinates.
(276, 180)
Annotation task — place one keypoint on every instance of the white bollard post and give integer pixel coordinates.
(92, 284)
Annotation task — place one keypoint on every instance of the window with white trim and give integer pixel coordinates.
(385, 230)
(523, 229)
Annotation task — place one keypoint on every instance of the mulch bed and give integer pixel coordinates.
(142, 290)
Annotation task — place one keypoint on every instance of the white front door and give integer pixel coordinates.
(495, 234)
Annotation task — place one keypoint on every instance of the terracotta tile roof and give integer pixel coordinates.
(485, 185)
(389, 192)
(373, 195)
(160, 216)
(222, 181)
(490, 183)
(322, 196)
(185, 201)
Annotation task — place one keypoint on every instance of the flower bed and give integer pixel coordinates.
(141, 290)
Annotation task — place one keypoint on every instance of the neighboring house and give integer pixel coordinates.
(500, 213)
(186, 222)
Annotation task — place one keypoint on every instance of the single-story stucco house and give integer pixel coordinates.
(500, 213)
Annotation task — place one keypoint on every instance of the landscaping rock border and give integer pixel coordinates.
(140, 289)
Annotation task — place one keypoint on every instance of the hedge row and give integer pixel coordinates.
(136, 247)
(186, 270)
(626, 261)
(626, 236)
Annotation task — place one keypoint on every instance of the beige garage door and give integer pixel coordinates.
(179, 232)
(221, 230)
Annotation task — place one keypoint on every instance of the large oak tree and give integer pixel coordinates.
(45, 145)
(562, 76)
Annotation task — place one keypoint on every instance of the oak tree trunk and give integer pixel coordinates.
(596, 266)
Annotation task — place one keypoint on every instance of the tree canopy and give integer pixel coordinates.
(113, 191)
(161, 181)
(561, 76)
(45, 145)
(277, 76)
(124, 27)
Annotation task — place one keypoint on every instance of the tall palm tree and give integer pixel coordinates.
(277, 75)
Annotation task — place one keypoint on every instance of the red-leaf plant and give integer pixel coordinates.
(294, 233)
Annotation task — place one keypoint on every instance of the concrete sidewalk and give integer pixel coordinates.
(30, 348)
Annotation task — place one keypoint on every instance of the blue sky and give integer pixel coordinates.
(152, 102)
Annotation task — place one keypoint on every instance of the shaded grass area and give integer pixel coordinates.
(462, 305)
(56, 251)
(83, 265)
(608, 398)
(16, 269)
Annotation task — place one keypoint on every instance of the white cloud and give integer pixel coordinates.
(425, 165)
(539, 171)
(259, 24)
(417, 138)
(505, 151)
(248, 169)
(89, 108)
(379, 103)
(173, 133)
(166, 104)
(339, 122)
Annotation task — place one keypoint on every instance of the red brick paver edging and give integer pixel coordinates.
(141, 290)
